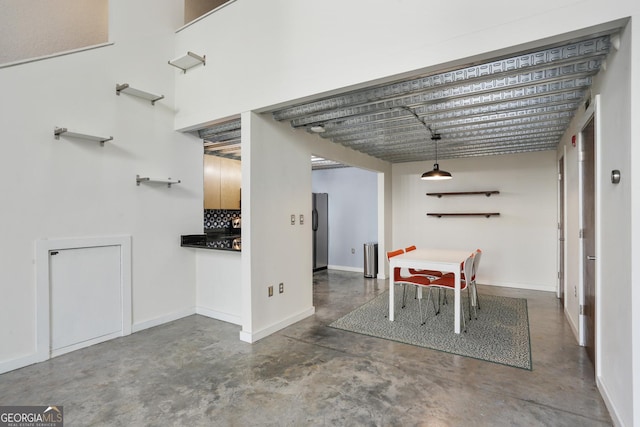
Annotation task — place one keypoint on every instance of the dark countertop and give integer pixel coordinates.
(219, 239)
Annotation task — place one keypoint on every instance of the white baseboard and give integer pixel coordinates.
(163, 319)
(252, 337)
(346, 268)
(613, 413)
(527, 286)
(88, 343)
(219, 315)
(20, 362)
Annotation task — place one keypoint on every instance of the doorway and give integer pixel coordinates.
(561, 232)
(588, 155)
(352, 214)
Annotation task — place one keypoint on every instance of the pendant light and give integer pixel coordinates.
(436, 174)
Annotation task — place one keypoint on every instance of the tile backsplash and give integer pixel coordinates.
(219, 218)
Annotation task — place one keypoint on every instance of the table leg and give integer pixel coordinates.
(392, 288)
(456, 302)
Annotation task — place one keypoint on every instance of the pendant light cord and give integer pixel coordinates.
(436, 173)
(436, 142)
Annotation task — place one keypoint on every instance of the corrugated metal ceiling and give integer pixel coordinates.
(508, 105)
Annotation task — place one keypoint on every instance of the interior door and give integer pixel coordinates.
(86, 296)
(561, 254)
(588, 237)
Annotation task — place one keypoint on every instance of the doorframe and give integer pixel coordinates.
(593, 111)
(562, 229)
(43, 283)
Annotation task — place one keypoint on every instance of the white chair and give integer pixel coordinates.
(472, 283)
(477, 255)
(447, 281)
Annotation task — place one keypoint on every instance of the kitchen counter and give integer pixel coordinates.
(220, 239)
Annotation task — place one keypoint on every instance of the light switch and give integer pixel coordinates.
(293, 219)
(301, 219)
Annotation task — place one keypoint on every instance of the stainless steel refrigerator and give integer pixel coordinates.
(320, 227)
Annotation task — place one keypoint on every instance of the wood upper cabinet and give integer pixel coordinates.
(230, 183)
(222, 181)
(211, 182)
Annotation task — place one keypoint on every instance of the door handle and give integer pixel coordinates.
(591, 258)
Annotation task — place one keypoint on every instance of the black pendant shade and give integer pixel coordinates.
(436, 174)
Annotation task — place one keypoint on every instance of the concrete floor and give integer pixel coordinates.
(196, 372)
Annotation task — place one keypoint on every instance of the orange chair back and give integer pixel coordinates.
(410, 248)
(391, 254)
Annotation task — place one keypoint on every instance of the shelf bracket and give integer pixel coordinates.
(487, 193)
(167, 181)
(484, 214)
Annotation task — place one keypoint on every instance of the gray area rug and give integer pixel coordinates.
(499, 335)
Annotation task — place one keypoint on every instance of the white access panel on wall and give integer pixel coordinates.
(83, 292)
(86, 296)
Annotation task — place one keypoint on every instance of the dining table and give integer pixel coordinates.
(445, 260)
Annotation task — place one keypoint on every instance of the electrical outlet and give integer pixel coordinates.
(281, 287)
(301, 219)
(270, 291)
(353, 250)
(293, 219)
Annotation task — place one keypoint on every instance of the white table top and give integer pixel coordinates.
(436, 255)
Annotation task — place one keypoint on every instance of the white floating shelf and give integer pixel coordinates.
(63, 131)
(167, 181)
(189, 60)
(125, 88)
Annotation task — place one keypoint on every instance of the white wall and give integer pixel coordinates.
(634, 234)
(613, 241)
(353, 213)
(518, 246)
(615, 303)
(74, 188)
(276, 173)
(264, 49)
(219, 285)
